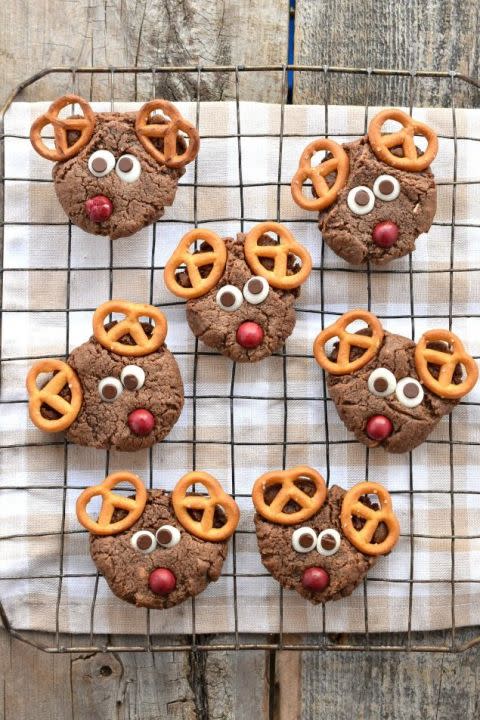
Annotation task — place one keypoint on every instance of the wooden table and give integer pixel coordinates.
(435, 34)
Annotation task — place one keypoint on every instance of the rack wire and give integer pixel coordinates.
(448, 641)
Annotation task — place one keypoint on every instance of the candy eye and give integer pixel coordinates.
(409, 392)
(229, 298)
(110, 389)
(386, 187)
(361, 200)
(328, 542)
(382, 382)
(132, 377)
(304, 539)
(256, 290)
(143, 541)
(168, 536)
(101, 162)
(128, 168)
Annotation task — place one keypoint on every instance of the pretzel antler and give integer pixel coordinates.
(216, 257)
(278, 277)
(326, 194)
(352, 507)
(275, 511)
(61, 127)
(110, 502)
(382, 144)
(370, 343)
(443, 386)
(131, 325)
(169, 132)
(49, 395)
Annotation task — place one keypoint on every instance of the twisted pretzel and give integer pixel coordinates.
(444, 385)
(84, 125)
(289, 491)
(130, 326)
(278, 277)
(217, 257)
(381, 144)
(204, 528)
(110, 502)
(49, 395)
(352, 507)
(169, 131)
(326, 195)
(371, 344)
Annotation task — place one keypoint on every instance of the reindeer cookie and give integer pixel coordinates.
(122, 389)
(388, 390)
(375, 195)
(157, 549)
(116, 172)
(321, 542)
(240, 293)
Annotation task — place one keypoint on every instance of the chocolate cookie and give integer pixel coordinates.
(388, 390)
(240, 293)
(122, 389)
(375, 195)
(315, 541)
(116, 172)
(148, 556)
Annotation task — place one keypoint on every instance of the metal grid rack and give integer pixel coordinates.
(408, 641)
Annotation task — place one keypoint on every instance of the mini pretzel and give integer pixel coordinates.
(444, 385)
(204, 528)
(49, 395)
(110, 502)
(169, 131)
(371, 344)
(217, 257)
(381, 144)
(278, 277)
(130, 326)
(84, 125)
(326, 195)
(352, 507)
(289, 491)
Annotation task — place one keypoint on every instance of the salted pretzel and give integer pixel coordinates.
(352, 507)
(110, 502)
(49, 395)
(382, 144)
(274, 512)
(370, 343)
(325, 194)
(169, 132)
(447, 362)
(182, 257)
(131, 325)
(61, 127)
(217, 497)
(287, 245)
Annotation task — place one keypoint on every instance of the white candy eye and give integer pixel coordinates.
(304, 539)
(386, 187)
(328, 542)
(168, 536)
(128, 168)
(256, 290)
(409, 392)
(382, 382)
(101, 162)
(361, 200)
(110, 388)
(144, 541)
(132, 377)
(229, 298)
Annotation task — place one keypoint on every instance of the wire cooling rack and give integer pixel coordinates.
(405, 82)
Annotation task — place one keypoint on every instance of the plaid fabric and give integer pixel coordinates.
(250, 419)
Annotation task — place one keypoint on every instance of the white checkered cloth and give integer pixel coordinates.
(31, 512)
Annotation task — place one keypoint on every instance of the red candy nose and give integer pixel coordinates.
(141, 422)
(249, 335)
(98, 208)
(379, 427)
(315, 579)
(385, 234)
(162, 581)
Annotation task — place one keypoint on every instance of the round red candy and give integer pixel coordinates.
(249, 335)
(315, 579)
(141, 422)
(385, 234)
(379, 427)
(98, 208)
(162, 581)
